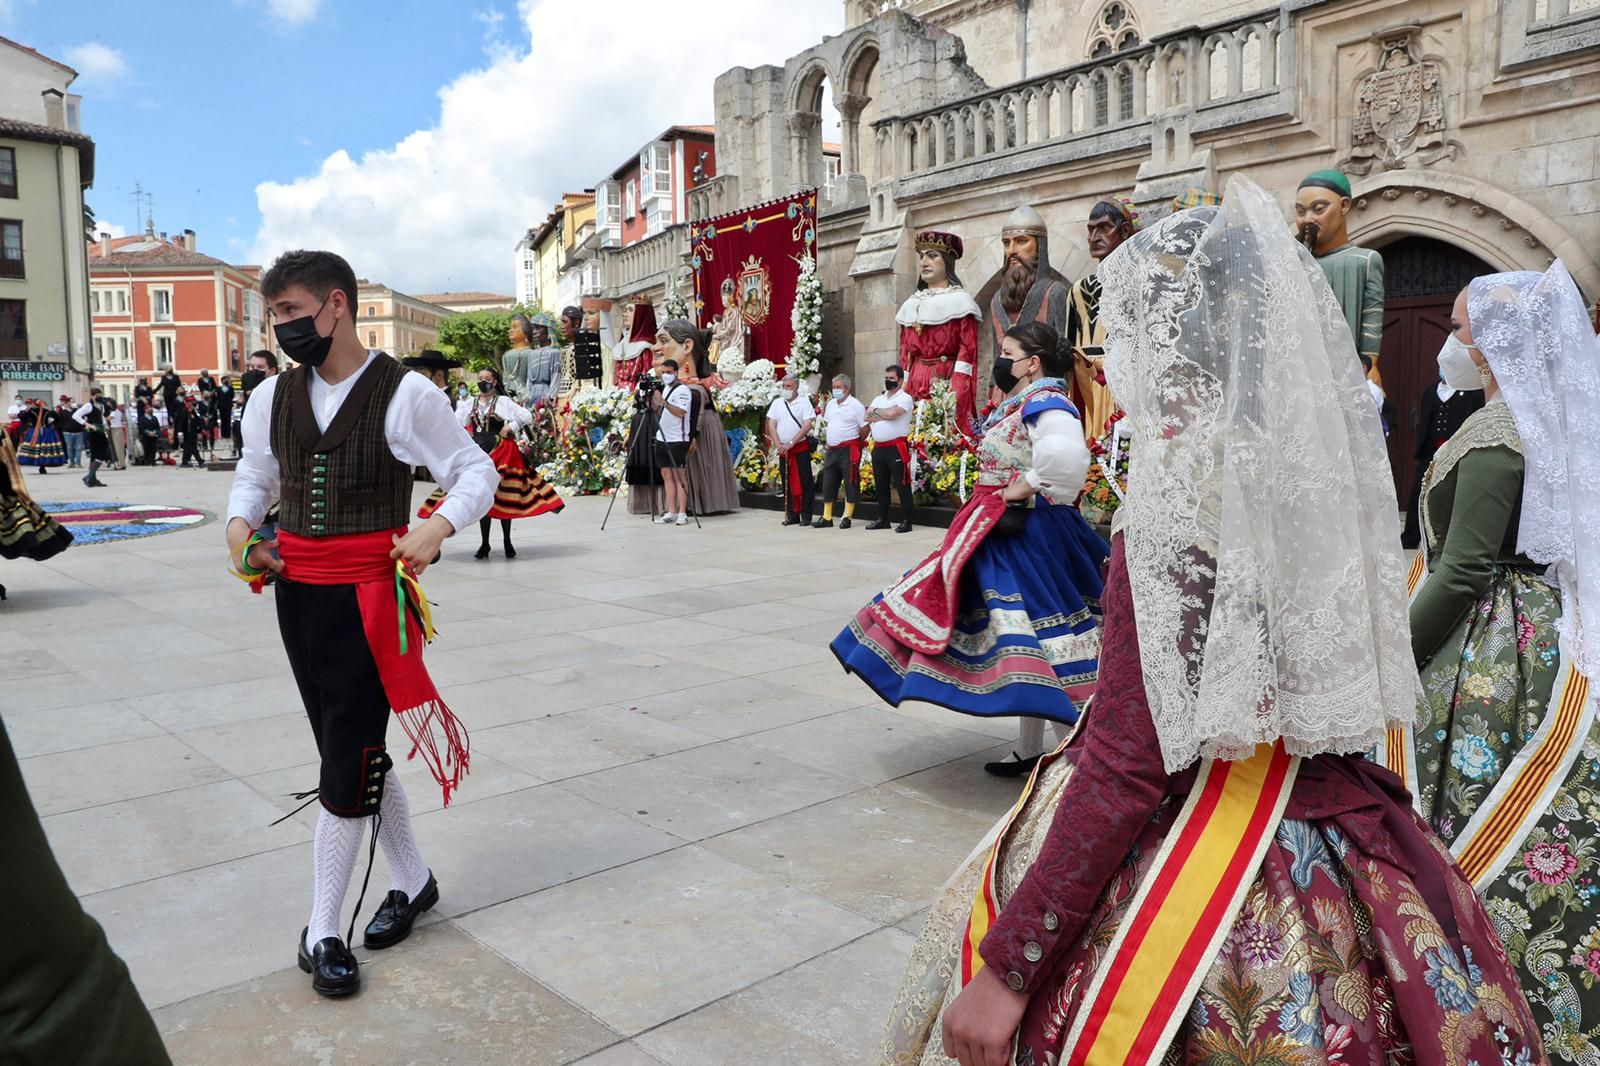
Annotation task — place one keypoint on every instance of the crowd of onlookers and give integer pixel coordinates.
(172, 422)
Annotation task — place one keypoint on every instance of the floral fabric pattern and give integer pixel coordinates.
(1486, 695)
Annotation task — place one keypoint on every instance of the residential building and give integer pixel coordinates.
(469, 301)
(46, 163)
(578, 271)
(526, 268)
(158, 302)
(391, 321)
(257, 328)
(1469, 130)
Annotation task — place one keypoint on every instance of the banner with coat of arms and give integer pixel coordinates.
(749, 262)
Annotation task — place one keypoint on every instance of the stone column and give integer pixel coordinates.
(850, 106)
(805, 148)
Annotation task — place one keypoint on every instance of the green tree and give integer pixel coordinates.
(478, 338)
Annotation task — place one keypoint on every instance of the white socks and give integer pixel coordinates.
(406, 868)
(1030, 736)
(338, 842)
(338, 846)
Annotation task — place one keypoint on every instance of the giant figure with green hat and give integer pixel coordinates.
(1322, 216)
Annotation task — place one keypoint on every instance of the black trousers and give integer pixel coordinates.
(342, 692)
(836, 467)
(66, 996)
(889, 471)
(191, 445)
(805, 487)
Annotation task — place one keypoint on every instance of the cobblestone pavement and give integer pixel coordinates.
(688, 838)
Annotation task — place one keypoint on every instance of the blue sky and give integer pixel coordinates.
(418, 137)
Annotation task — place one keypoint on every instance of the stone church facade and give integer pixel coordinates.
(1470, 129)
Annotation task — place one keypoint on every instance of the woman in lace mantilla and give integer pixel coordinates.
(1247, 604)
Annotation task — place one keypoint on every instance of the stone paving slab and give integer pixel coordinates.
(689, 838)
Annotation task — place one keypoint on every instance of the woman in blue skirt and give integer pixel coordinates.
(1004, 618)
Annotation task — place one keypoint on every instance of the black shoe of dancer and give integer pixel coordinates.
(482, 552)
(879, 524)
(790, 520)
(822, 523)
(333, 968)
(397, 914)
(903, 527)
(844, 523)
(1013, 765)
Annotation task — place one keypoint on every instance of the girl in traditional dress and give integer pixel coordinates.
(493, 419)
(1204, 875)
(1506, 630)
(1002, 619)
(40, 443)
(26, 530)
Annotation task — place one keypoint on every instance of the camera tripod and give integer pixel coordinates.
(649, 425)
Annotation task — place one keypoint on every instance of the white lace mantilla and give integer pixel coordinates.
(935, 307)
(1535, 332)
(1261, 527)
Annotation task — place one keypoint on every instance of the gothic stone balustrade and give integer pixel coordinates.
(714, 197)
(646, 264)
(1219, 75)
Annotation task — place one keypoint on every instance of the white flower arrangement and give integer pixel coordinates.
(805, 358)
(754, 391)
(610, 408)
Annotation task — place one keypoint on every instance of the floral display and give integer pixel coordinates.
(591, 452)
(1108, 475)
(805, 358)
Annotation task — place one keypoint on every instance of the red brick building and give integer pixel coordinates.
(649, 192)
(155, 302)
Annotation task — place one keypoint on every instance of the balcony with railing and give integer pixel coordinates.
(1220, 75)
(647, 263)
(713, 197)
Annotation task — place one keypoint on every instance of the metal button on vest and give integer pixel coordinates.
(1051, 922)
(1032, 952)
(1014, 979)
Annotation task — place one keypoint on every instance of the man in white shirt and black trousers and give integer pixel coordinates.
(337, 438)
(889, 415)
(847, 427)
(790, 419)
(674, 428)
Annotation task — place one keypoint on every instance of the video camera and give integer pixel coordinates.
(647, 385)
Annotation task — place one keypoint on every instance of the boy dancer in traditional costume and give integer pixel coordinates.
(338, 437)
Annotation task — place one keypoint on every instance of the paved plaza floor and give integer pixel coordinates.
(688, 837)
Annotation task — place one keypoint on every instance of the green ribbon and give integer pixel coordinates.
(400, 607)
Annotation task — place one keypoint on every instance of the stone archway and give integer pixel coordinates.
(806, 100)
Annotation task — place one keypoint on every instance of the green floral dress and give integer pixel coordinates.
(1484, 627)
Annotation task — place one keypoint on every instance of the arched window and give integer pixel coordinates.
(1114, 30)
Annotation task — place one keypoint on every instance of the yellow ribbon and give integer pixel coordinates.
(408, 586)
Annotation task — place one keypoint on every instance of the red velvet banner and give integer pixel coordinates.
(751, 258)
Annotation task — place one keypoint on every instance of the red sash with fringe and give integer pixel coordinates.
(900, 445)
(397, 623)
(799, 450)
(919, 610)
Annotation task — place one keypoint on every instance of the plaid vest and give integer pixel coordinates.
(345, 479)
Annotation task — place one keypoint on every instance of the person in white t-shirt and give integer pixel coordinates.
(847, 427)
(790, 419)
(889, 417)
(673, 405)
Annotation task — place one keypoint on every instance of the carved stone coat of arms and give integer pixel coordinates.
(1399, 108)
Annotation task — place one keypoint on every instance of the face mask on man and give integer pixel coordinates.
(1456, 366)
(838, 394)
(668, 378)
(789, 395)
(251, 378)
(890, 384)
(300, 340)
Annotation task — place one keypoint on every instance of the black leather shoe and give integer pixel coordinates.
(481, 553)
(396, 915)
(879, 524)
(844, 523)
(334, 970)
(511, 553)
(903, 527)
(1011, 767)
(823, 523)
(790, 520)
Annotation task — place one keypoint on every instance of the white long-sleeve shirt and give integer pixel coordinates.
(419, 428)
(510, 411)
(1060, 457)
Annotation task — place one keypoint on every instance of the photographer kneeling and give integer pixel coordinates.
(674, 428)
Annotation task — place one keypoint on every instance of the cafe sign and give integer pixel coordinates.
(32, 370)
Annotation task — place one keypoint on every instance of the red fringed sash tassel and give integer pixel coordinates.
(362, 560)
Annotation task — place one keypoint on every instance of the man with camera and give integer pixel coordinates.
(673, 404)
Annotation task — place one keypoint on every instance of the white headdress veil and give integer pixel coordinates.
(1534, 330)
(1262, 532)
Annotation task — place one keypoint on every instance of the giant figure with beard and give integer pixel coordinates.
(1111, 222)
(1030, 290)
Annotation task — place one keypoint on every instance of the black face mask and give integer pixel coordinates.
(890, 385)
(300, 340)
(485, 386)
(251, 378)
(1003, 376)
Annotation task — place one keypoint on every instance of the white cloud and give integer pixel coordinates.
(97, 62)
(294, 12)
(444, 208)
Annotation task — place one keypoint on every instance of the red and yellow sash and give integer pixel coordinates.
(1398, 746)
(1184, 909)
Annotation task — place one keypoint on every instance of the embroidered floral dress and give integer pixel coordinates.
(1491, 746)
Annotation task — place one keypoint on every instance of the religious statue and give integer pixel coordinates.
(939, 328)
(532, 368)
(1322, 222)
(1111, 222)
(1030, 291)
(729, 334)
(632, 355)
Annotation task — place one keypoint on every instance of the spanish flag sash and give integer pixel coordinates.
(1184, 909)
(1492, 836)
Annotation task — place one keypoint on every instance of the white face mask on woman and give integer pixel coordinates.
(1456, 366)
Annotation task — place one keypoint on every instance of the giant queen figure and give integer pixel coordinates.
(939, 328)
(1030, 291)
